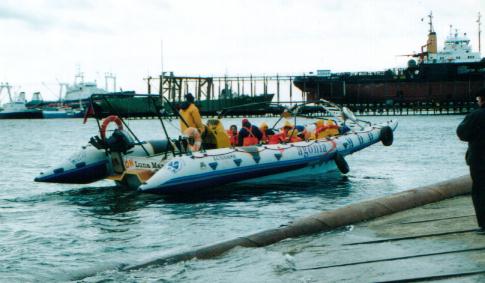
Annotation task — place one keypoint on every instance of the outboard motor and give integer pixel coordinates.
(120, 141)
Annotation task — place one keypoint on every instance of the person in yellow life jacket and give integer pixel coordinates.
(321, 129)
(288, 130)
(190, 114)
(266, 132)
(332, 128)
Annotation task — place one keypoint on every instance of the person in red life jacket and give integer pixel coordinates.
(233, 136)
(290, 132)
(249, 134)
(266, 132)
(283, 135)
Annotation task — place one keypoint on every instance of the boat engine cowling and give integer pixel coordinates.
(120, 141)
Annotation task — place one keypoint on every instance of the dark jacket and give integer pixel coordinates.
(472, 130)
(244, 133)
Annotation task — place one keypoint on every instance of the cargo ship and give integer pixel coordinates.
(130, 104)
(452, 74)
(17, 109)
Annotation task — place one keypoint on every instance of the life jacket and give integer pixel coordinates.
(250, 139)
(294, 137)
(332, 128)
(232, 138)
(277, 138)
(265, 137)
(321, 132)
(191, 115)
(293, 132)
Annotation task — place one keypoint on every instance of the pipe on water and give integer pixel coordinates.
(327, 220)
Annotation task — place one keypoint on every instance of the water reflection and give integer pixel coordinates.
(331, 186)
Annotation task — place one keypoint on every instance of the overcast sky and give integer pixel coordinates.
(44, 40)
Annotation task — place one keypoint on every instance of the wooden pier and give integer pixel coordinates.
(223, 92)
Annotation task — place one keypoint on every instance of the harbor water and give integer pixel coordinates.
(58, 232)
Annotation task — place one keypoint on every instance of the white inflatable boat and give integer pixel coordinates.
(169, 166)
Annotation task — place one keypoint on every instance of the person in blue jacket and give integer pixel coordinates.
(249, 134)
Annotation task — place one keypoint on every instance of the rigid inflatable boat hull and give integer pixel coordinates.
(222, 166)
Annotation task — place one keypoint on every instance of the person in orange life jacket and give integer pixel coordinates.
(290, 133)
(249, 134)
(266, 132)
(283, 135)
(233, 136)
(190, 113)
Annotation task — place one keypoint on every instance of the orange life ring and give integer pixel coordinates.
(106, 121)
(192, 132)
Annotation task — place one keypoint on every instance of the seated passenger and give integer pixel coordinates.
(302, 132)
(310, 131)
(233, 136)
(249, 134)
(266, 132)
(190, 116)
(325, 129)
(277, 138)
(289, 133)
(332, 128)
(320, 131)
(287, 126)
(293, 136)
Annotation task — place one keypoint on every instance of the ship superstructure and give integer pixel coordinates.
(454, 73)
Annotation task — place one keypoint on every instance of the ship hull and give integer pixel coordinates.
(21, 115)
(128, 105)
(380, 92)
(428, 82)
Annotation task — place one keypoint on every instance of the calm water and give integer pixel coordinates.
(54, 232)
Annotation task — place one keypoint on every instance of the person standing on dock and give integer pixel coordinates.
(472, 130)
(190, 115)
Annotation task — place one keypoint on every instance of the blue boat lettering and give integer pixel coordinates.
(224, 157)
(361, 139)
(312, 149)
(350, 142)
(174, 166)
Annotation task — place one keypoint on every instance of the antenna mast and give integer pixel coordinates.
(161, 65)
(430, 16)
(8, 87)
(479, 32)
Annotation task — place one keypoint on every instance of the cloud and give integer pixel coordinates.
(32, 20)
(51, 15)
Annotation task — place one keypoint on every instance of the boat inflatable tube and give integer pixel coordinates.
(387, 136)
(342, 165)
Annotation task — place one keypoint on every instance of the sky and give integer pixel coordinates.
(45, 41)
